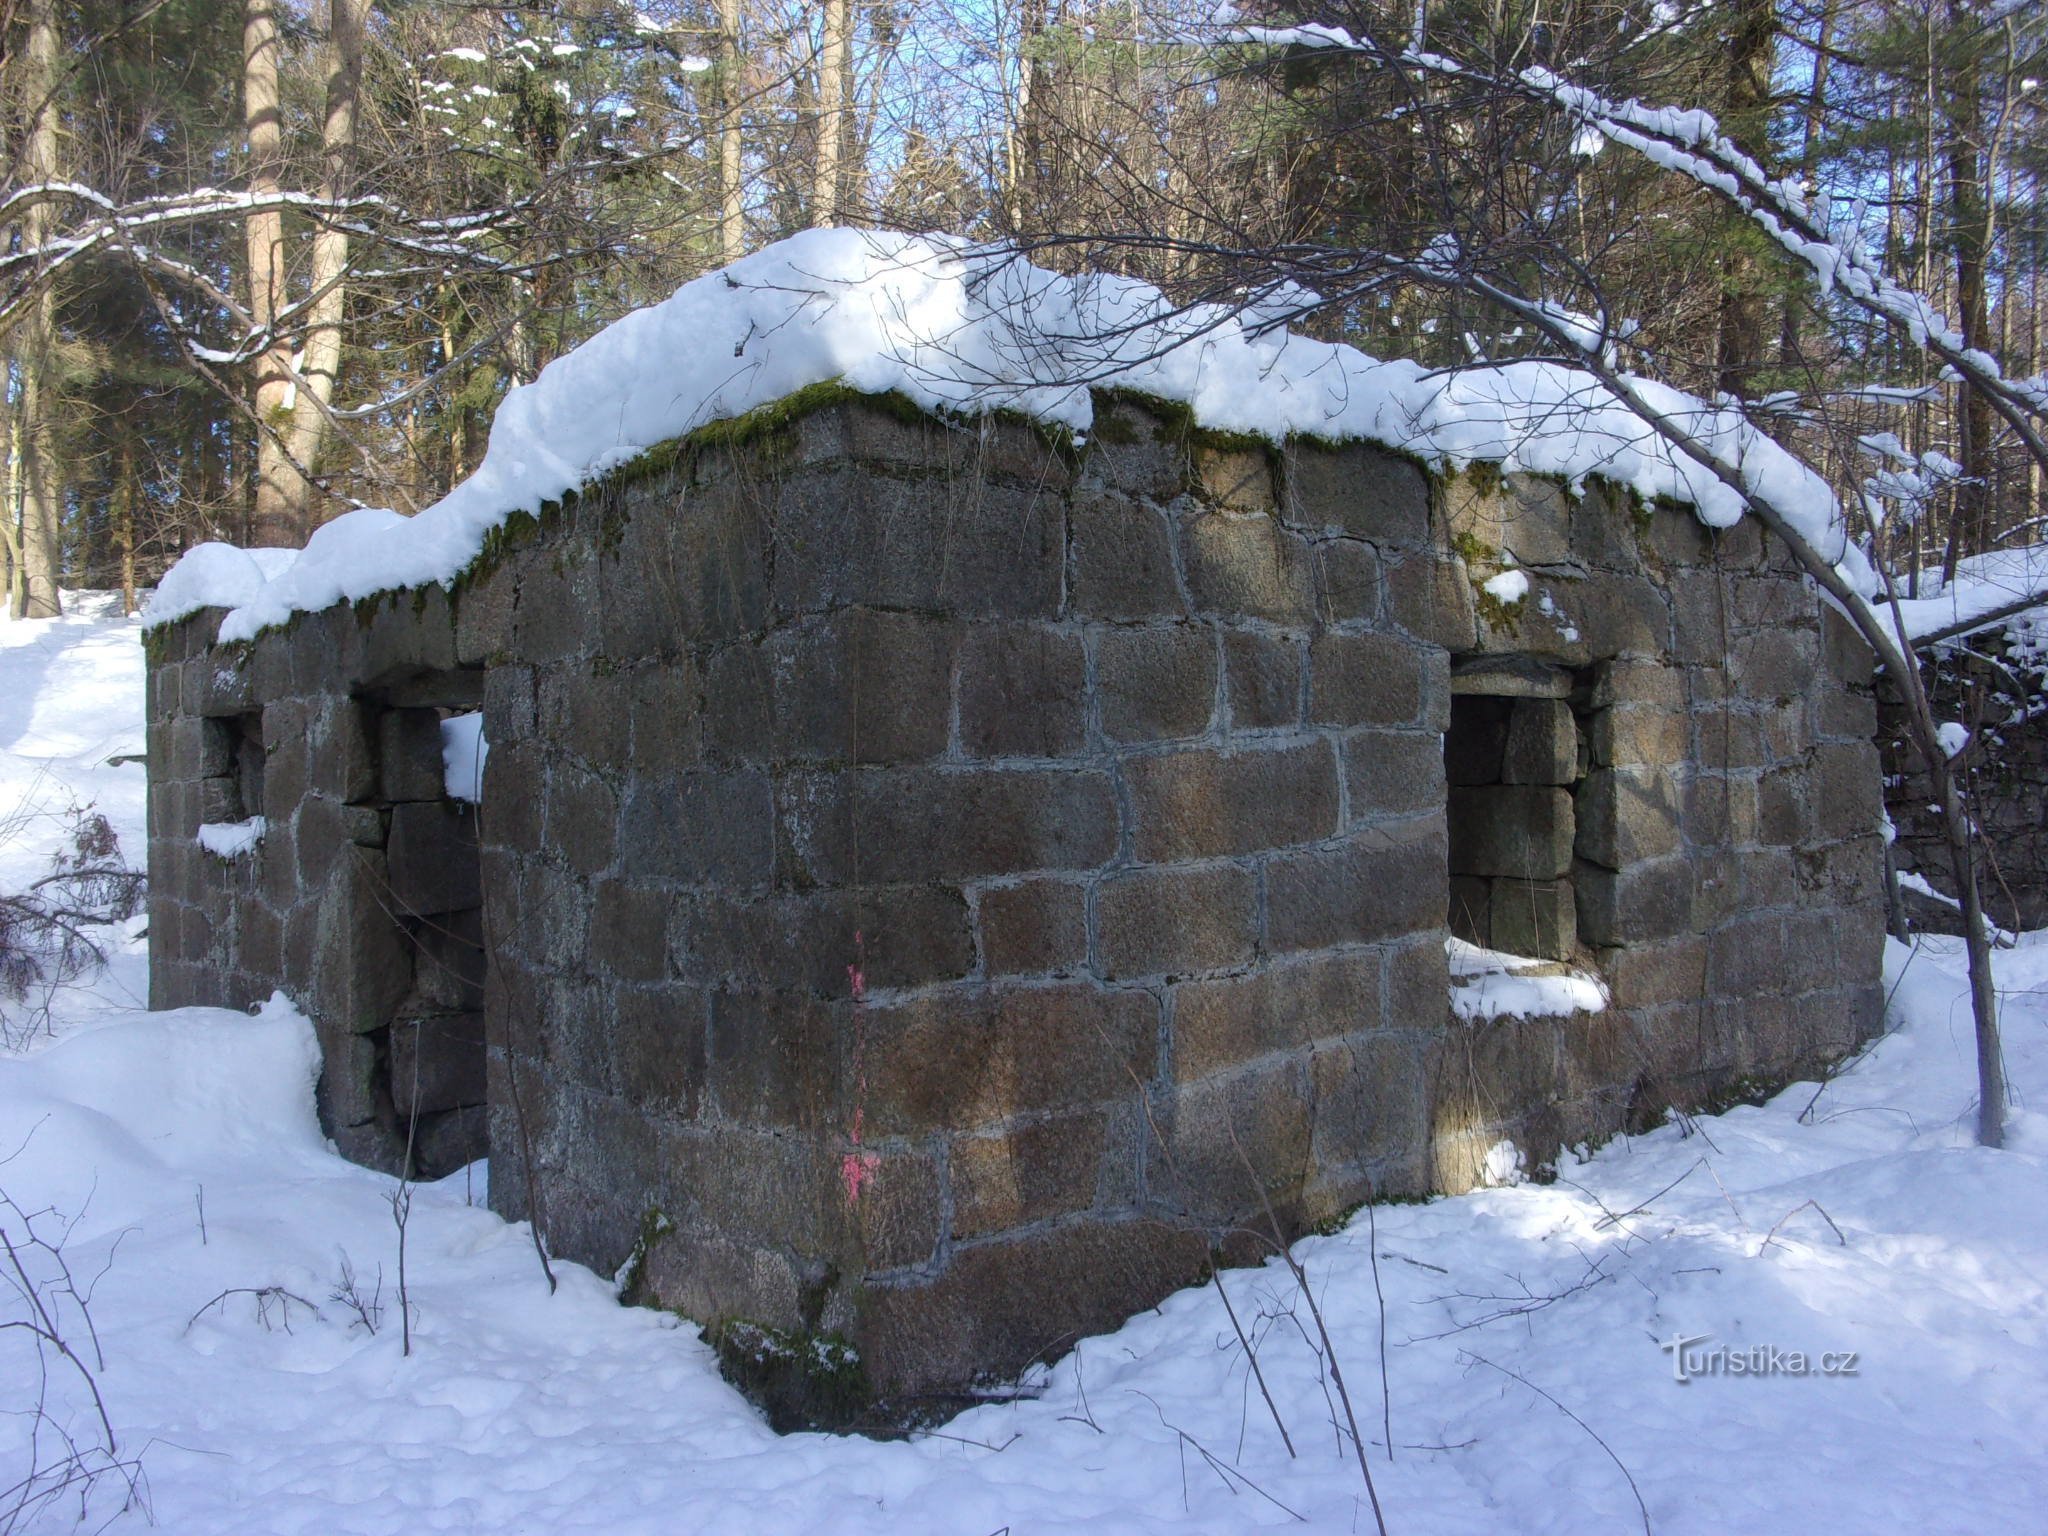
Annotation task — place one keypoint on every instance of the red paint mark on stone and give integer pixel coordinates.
(857, 1167)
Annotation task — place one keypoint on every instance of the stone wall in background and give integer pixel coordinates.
(361, 898)
(1991, 688)
(945, 889)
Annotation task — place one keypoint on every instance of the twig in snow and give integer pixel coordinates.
(1804, 1204)
(1227, 1474)
(1252, 1356)
(265, 1297)
(1641, 1507)
(1322, 1330)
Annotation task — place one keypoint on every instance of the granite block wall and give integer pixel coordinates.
(944, 888)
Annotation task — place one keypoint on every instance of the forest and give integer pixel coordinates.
(270, 261)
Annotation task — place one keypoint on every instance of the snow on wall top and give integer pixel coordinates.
(969, 329)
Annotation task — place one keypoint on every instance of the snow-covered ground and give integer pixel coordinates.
(1527, 1331)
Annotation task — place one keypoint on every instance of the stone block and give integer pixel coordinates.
(1638, 736)
(1264, 675)
(918, 824)
(869, 687)
(629, 930)
(409, 754)
(1844, 652)
(1520, 830)
(590, 710)
(1364, 491)
(327, 651)
(962, 1059)
(1235, 1145)
(1392, 773)
(1122, 560)
(1350, 582)
(1635, 680)
(1371, 1113)
(1525, 516)
(1716, 812)
(484, 604)
(433, 858)
(1652, 974)
(1155, 683)
(846, 537)
(1785, 808)
(511, 704)
(448, 963)
(738, 719)
(1037, 927)
(666, 706)
(224, 683)
(362, 964)
(1751, 956)
(1847, 789)
(1776, 665)
(1676, 537)
(1026, 1175)
(1645, 902)
(437, 1062)
(1605, 531)
(1237, 479)
(1224, 1022)
(659, 1041)
(554, 917)
(1366, 680)
(897, 936)
(772, 1059)
(710, 567)
(1023, 692)
(1204, 803)
(1247, 566)
(1757, 602)
(582, 817)
(1534, 917)
(1845, 716)
(1175, 921)
(1379, 884)
(1626, 815)
(341, 752)
(1132, 451)
(1542, 743)
(556, 615)
(698, 828)
(1430, 596)
(1618, 616)
(1005, 1302)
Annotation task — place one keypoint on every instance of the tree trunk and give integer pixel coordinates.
(1751, 47)
(1969, 217)
(1809, 141)
(321, 362)
(127, 492)
(731, 189)
(275, 519)
(831, 122)
(42, 544)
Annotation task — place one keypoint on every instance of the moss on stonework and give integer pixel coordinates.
(1485, 477)
(632, 1275)
(800, 1379)
(1472, 549)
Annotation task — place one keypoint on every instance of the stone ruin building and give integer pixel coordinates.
(1989, 682)
(941, 888)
